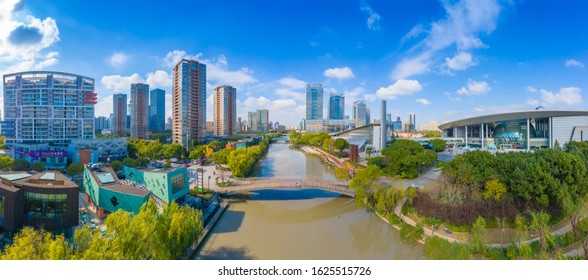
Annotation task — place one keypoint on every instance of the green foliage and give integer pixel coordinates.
(437, 248)
(341, 174)
(116, 165)
(74, 169)
(313, 139)
(387, 198)
(167, 164)
(197, 153)
(6, 163)
(365, 183)
(241, 161)
(432, 134)
(148, 235)
(31, 244)
(478, 237)
(539, 223)
(216, 145)
(38, 166)
(340, 144)
(410, 194)
(410, 234)
(222, 157)
(173, 151)
(141, 162)
(129, 162)
(471, 169)
(406, 158)
(438, 144)
(377, 161)
(494, 189)
(20, 165)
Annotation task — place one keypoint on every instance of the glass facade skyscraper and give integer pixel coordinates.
(157, 110)
(139, 110)
(359, 113)
(119, 121)
(314, 102)
(336, 106)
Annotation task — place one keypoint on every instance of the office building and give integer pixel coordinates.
(225, 110)
(139, 110)
(412, 122)
(100, 123)
(157, 110)
(44, 106)
(336, 106)
(397, 124)
(258, 121)
(524, 130)
(239, 124)
(368, 115)
(119, 121)
(359, 113)
(314, 102)
(189, 101)
(168, 124)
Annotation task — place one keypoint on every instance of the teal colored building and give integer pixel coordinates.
(167, 185)
(108, 194)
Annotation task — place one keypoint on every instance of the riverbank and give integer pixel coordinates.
(217, 212)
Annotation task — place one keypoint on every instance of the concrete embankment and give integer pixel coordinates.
(210, 222)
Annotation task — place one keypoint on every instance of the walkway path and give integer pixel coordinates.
(289, 183)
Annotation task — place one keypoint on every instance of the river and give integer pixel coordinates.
(300, 224)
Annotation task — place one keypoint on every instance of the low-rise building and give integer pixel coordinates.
(47, 200)
(97, 150)
(52, 156)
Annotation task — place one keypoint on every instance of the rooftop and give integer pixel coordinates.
(512, 116)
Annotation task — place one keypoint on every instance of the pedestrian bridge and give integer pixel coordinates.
(255, 184)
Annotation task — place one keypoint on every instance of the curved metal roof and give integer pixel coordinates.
(511, 116)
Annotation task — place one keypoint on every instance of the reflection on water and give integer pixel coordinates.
(300, 224)
(317, 228)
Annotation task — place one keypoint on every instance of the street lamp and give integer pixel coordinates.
(208, 182)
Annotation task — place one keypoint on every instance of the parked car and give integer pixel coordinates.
(186, 165)
(447, 230)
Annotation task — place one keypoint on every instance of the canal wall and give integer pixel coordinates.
(219, 211)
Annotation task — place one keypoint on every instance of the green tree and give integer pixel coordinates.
(116, 165)
(437, 248)
(173, 151)
(341, 144)
(6, 163)
(129, 162)
(32, 244)
(341, 174)
(438, 144)
(197, 153)
(152, 150)
(478, 237)
(38, 166)
(494, 189)
(208, 152)
(74, 169)
(410, 194)
(539, 223)
(215, 145)
(328, 144)
(366, 183)
(388, 198)
(20, 165)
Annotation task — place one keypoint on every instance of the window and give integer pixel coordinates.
(178, 182)
(46, 205)
(2, 203)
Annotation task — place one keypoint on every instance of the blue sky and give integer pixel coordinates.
(442, 60)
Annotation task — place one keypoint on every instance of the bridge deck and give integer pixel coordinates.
(291, 184)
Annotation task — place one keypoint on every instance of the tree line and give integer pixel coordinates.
(148, 235)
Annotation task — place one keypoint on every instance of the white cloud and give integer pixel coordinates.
(531, 89)
(118, 83)
(292, 83)
(118, 59)
(399, 88)
(452, 96)
(574, 63)
(173, 57)
(474, 88)
(159, 79)
(460, 61)
(423, 101)
(373, 20)
(479, 109)
(24, 39)
(461, 28)
(532, 102)
(414, 32)
(286, 111)
(567, 95)
(411, 66)
(339, 73)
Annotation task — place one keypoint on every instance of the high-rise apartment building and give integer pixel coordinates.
(157, 110)
(189, 101)
(119, 109)
(225, 110)
(368, 115)
(100, 123)
(314, 102)
(359, 113)
(258, 121)
(139, 110)
(43, 106)
(336, 106)
(239, 124)
(168, 124)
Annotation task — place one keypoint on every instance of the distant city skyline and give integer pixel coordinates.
(442, 60)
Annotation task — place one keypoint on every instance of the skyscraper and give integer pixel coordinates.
(100, 123)
(258, 121)
(139, 110)
(189, 101)
(412, 122)
(225, 110)
(314, 102)
(157, 110)
(383, 126)
(336, 106)
(368, 115)
(119, 109)
(359, 113)
(43, 106)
